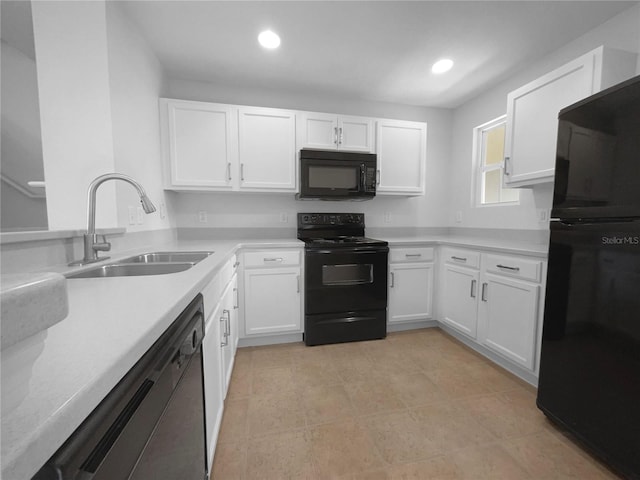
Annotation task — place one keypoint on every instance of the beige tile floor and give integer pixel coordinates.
(417, 405)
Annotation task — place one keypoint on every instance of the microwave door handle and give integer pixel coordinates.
(363, 177)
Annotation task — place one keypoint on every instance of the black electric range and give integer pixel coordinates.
(345, 279)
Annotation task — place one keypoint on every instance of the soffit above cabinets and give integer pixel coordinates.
(370, 50)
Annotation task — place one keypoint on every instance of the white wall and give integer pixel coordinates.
(75, 109)
(622, 32)
(99, 85)
(136, 81)
(263, 210)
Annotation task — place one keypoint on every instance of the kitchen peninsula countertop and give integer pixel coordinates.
(112, 322)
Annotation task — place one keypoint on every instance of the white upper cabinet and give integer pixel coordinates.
(532, 111)
(214, 147)
(402, 152)
(328, 131)
(267, 149)
(199, 146)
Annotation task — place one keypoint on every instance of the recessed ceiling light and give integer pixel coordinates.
(442, 66)
(269, 39)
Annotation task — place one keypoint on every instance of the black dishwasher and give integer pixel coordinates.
(151, 425)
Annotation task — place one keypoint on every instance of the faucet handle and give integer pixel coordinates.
(103, 246)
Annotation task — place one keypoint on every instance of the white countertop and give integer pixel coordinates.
(112, 322)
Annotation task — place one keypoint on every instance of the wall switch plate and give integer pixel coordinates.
(284, 218)
(202, 217)
(140, 213)
(458, 216)
(132, 215)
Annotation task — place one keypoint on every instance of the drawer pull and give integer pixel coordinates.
(411, 255)
(459, 259)
(473, 288)
(393, 280)
(483, 295)
(513, 269)
(278, 259)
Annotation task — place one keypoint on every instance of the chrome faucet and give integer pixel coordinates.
(91, 244)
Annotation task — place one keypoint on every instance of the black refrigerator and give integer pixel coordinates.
(590, 364)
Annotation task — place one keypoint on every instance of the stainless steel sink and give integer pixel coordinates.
(154, 257)
(133, 269)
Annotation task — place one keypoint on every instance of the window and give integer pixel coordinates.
(488, 156)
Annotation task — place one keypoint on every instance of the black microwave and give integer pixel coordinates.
(334, 175)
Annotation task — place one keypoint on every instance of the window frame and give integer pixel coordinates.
(479, 169)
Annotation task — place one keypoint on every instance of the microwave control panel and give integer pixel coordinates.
(370, 180)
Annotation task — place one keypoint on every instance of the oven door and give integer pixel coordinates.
(341, 280)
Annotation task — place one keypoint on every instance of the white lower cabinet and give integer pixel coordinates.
(218, 347)
(228, 319)
(495, 300)
(272, 292)
(459, 292)
(410, 284)
(460, 299)
(508, 318)
(212, 371)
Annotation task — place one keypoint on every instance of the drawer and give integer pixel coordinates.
(271, 258)
(411, 254)
(459, 256)
(510, 266)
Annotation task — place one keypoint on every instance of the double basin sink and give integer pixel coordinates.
(156, 263)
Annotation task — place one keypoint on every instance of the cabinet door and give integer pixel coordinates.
(410, 292)
(212, 371)
(508, 318)
(355, 134)
(228, 336)
(402, 153)
(459, 299)
(272, 300)
(318, 130)
(267, 149)
(532, 120)
(199, 144)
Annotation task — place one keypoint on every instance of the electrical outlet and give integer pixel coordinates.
(387, 217)
(163, 211)
(202, 217)
(284, 218)
(132, 215)
(458, 216)
(543, 215)
(140, 213)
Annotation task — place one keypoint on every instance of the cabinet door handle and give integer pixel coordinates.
(335, 135)
(236, 265)
(224, 334)
(473, 288)
(237, 302)
(506, 267)
(273, 259)
(242, 172)
(483, 296)
(340, 136)
(412, 255)
(459, 259)
(507, 161)
(393, 280)
(297, 283)
(378, 177)
(229, 171)
(228, 313)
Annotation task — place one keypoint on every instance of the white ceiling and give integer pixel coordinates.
(374, 50)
